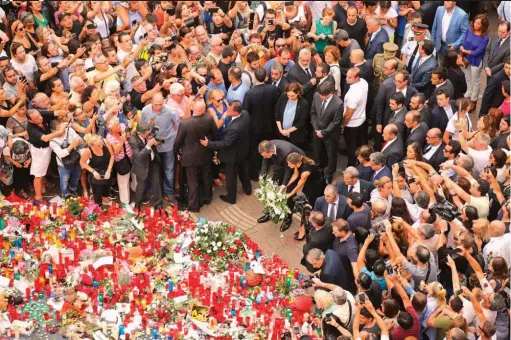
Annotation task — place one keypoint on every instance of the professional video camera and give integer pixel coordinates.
(302, 205)
(445, 209)
(154, 132)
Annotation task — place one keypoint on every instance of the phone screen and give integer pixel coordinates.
(251, 21)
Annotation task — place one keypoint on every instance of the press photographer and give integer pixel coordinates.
(320, 236)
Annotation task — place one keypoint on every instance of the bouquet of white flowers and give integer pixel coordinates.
(272, 198)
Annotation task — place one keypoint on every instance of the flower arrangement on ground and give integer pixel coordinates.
(272, 198)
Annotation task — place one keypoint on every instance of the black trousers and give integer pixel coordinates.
(325, 155)
(154, 178)
(192, 177)
(254, 157)
(21, 179)
(100, 190)
(232, 171)
(355, 137)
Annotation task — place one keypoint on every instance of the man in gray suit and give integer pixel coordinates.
(497, 50)
(421, 71)
(393, 148)
(326, 117)
(417, 130)
(146, 164)
(440, 80)
(397, 112)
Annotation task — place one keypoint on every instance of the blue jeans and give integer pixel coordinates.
(167, 161)
(69, 179)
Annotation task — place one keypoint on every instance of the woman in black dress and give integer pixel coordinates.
(303, 175)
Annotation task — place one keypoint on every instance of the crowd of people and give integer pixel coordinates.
(150, 102)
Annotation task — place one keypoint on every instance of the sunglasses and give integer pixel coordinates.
(220, 99)
(20, 28)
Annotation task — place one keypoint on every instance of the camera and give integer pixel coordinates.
(271, 22)
(190, 22)
(310, 39)
(307, 283)
(330, 40)
(362, 298)
(301, 204)
(171, 11)
(445, 209)
(153, 133)
(286, 336)
(328, 317)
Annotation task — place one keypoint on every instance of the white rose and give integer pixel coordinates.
(215, 248)
(208, 251)
(219, 244)
(278, 211)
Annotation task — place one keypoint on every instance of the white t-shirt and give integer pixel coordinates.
(356, 98)
(451, 126)
(28, 68)
(391, 14)
(131, 71)
(481, 160)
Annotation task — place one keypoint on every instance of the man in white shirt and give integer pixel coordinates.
(355, 113)
(450, 131)
(125, 49)
(499, 242)
(479, 149)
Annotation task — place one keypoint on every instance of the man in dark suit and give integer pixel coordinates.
(393, 148)
(398, 113)
(380, 105)
(260, 103)
(146, 163)
(417, 130)
(421, 72)
(418, 103)
(401, 79)
(277, 78)
(194, 157)
(497, 50)
(378, 165)
(440, 82)
(303, 72)
(493, 96)
(275, 151)
(443, 111)
(233, 151)
(377, 37)
(326, 118)
(433, 153)
(322, 74)
(351, 183)
(332, 205)
(320, 236)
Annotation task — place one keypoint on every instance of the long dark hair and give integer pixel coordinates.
(398, 208)
(450, 61)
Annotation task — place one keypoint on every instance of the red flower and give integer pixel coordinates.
(207, 257)
(244, 254)
(221, 253)
(238, 243)
(231, 229)
(196, 252)
(192, 244)
(232, 250)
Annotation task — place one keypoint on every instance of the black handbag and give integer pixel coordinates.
(73, 158)
(123, 166)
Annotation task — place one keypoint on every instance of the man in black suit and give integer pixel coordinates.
(398, 113)
(440, 81)
(418, 103)
(497, 50)
(443, 111)
(421, 71)
(377, 37)
(194, 157)
(434, 151)
(351, 183)
(377, 162)
(500, 142)
(326, 118)
(277, 79)
(417, 130)
(260, 103)
(320, 236)
(275, 151)
(322, 74)
(381, 102)
(401, 80)
(146, 163)
(393, 147)
(303, 72)
(493, 96)
(233, 151)
(332, 205)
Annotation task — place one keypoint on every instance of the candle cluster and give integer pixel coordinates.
(138, 275)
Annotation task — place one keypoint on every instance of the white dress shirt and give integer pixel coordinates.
(446, 21)
(356, 187)
(431, 152)
(335, 209)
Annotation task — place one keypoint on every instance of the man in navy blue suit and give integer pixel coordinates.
(377, 162)
(377, 37)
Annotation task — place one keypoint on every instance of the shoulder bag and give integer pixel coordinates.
(123, 166)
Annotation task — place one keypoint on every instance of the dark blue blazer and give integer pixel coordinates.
(439, 117)
(385, 172)
(343, 210)
(376, 45)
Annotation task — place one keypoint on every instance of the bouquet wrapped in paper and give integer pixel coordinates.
(273, 199)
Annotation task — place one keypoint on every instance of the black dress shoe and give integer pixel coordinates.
(226, 200)
(299, 238)
(285, 225)
(263, 219)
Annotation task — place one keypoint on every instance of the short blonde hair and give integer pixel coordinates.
(323, 299)
(92, 139)
(110, 102)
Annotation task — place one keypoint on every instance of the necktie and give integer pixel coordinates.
(383, 145)
(426, 150)
(392, 116)
(412, 58)
(416, 67)
(323, 105)
(332, 213)
(350, 190)
(308, 72)
(274, 84)
(496, 48)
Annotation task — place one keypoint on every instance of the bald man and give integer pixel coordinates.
(196, 159)
(433, 152)
(164, 122)
(499, 242)
(393, 147)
